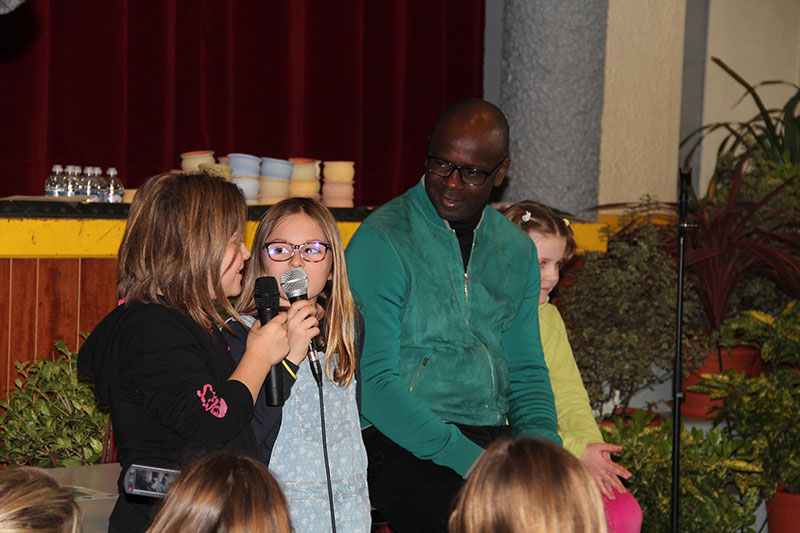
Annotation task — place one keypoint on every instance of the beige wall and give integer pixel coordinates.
(760, 40)
(642, 99)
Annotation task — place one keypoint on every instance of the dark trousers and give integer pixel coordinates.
(415, 495)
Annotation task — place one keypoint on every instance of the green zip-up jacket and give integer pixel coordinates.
(443, 345)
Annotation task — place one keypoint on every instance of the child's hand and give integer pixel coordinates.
(267, 346)
(597, 459)
(269, 342)
(302, 326)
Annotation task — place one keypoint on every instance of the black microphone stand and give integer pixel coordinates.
(685, 178)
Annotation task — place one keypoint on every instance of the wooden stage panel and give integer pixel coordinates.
(6, 360)
(23, 308)
(58, 303)
(98, 292)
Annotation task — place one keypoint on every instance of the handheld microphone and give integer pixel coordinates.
(267, 298)
(295, 284)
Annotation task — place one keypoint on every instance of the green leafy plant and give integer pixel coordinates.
(778, 337)
(746, 253)
(51, 418)
(764, 410)
(619, 308)
(720, 487)
(737, 238)
(772, 133)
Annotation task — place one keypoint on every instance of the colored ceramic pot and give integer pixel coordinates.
(339, 170)
(191, 161)
(276, 168)
(244, 164)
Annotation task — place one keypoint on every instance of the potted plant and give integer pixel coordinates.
(764, 410)
(51, 418)
(753, 160)
(770, 139)
(619, 309)
(737, 240)
(720, 488)
(745, 252)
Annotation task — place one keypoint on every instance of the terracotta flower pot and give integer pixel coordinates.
(783, 512)
(743, 358)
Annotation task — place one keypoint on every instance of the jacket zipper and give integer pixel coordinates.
(419, 371)
(466, 319)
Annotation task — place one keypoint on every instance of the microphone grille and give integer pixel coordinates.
(294, 282)
(266, 293)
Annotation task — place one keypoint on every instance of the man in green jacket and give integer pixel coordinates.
(449, 290)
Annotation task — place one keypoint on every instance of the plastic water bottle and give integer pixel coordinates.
(82, 180)
(89, 185)
(53, 183)
(102, 184)
(114, 188)
(70, 182)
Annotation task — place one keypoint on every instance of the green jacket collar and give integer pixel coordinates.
(420, 197)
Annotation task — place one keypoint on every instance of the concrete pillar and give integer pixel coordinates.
(551, 90)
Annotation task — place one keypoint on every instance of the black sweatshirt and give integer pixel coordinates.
(166, 381)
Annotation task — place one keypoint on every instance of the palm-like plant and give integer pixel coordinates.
(737, 238)
(772, 133)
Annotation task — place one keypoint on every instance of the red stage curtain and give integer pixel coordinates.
(133, 83)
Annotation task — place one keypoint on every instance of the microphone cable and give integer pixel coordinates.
(313, 362)
(295, 285)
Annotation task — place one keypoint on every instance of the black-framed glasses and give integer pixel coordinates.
(469, 175)
(312, 251)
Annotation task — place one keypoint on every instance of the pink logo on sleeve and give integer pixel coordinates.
(211, 403)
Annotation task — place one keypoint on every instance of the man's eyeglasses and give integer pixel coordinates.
(469, 175)
(313, 251)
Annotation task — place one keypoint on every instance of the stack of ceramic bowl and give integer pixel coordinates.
(245, 171)
(275, 175)
(305, 177)
(337, 190)
(191, 161)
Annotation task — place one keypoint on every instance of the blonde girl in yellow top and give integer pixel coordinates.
(555, 245)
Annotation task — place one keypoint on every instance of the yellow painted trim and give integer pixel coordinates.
(347, 229)
(60, 237)
(589, 236)
(68, 237)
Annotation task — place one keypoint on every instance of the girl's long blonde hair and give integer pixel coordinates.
(31, 501)
(174, 243)
(340, 310)
(224, 492)
(527, 485)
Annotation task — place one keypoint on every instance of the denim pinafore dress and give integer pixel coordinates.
(297, 460)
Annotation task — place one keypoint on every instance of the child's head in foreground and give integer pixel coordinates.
(528, 485)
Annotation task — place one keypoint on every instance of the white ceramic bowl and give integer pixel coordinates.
(276, 168)
(249, 185)
(244, 165)
(335, 189)
(304, 171)
(274, 186)
(305, 188)
(339, 170)
(191, 161)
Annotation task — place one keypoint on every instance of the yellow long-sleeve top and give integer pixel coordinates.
(576, 424)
